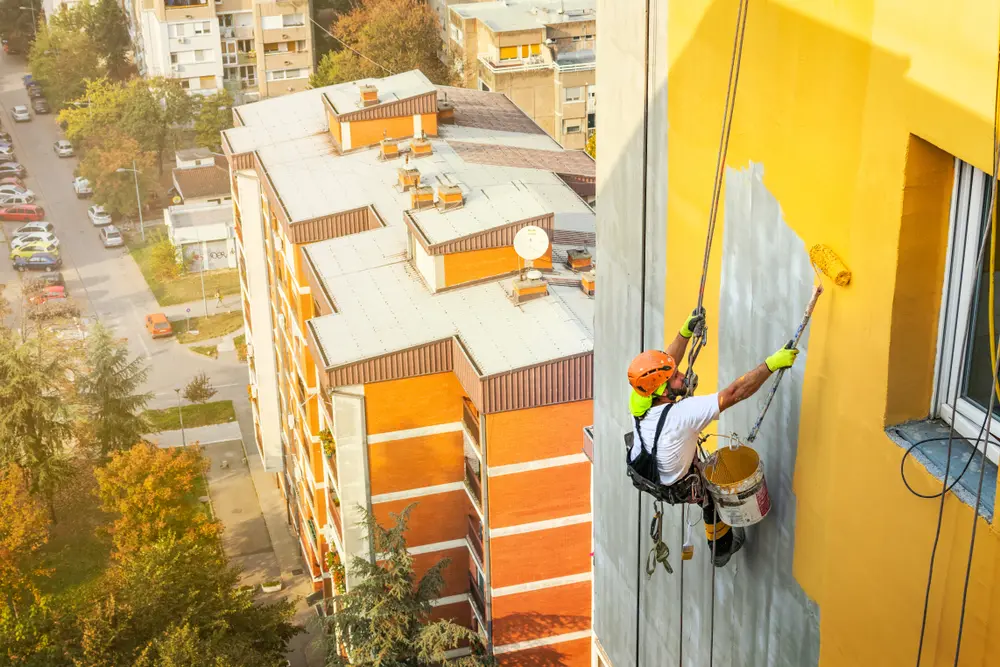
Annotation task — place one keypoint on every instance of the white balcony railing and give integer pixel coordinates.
(515, 65)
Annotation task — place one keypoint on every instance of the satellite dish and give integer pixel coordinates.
(531, 243)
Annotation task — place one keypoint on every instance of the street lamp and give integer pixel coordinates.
(138, 200)
(180, 415)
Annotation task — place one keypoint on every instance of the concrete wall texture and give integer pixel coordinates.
(833, 99)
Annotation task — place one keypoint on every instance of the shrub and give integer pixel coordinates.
(163, 260)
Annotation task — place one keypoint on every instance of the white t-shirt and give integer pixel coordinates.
(679, 439)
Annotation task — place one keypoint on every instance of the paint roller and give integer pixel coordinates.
(824, 261)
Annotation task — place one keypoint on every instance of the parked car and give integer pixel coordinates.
(82, 188)
(6, 147)
(31, 239)
(15, 190)
(39, 261)
(40, 105)
(32, 250)
(111, 237)
(13, 169)
(22, 213)
(158, 325)
(41, 227)
(20, 114)
(27, 79)
(6, 158)
(98, 216)
(12, 180)
(51, 279)
(49, 293)
(63, 148)
(15, 199)
(35, 90)
(5, 137)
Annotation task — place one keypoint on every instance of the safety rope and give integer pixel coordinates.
(660, 551)
(680, 605)
(711, 635)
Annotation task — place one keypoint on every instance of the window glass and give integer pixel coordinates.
(573, 129)
(293, 19)
(978, 366)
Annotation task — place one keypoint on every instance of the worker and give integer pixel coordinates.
(668, 423)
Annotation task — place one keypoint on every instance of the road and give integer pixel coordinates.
(106, 283)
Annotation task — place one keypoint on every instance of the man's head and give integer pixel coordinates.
(676, 385)
(649, 371)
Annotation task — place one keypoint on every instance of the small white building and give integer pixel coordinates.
(201, 177)
(204, 235)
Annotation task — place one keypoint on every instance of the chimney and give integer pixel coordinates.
(420, 147)
(450, 197)
(388, 149)
(587, 282)
(446, 111)
(409, 178)
(530, 285)
(422, 196)
(369, 95)
(578, 260)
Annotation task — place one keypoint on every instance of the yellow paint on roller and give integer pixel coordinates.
(827, 261)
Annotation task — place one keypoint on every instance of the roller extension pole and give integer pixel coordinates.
(817, 290)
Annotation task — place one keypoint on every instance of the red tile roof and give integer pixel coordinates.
(196, 182)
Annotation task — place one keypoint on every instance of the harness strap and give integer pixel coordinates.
(659, 429)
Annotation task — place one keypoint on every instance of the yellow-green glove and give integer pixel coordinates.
(783, 358)
(694, 320)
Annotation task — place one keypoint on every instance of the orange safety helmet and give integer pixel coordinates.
(650, 370)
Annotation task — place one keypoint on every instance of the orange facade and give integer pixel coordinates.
(400, 405)
(567, 493)
(435, 518)
(543, 613)
(465, 267)
(514, 559)
(555, 430)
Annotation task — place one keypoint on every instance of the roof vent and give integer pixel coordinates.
(587, 282)
(446, 111)
(529, 286)
(450, 197)
(578, 260)
(409, 178)
(388, 149)
(369, 95)
(422, 196)
(420, 146)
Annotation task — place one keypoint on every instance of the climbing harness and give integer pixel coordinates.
(660, 551)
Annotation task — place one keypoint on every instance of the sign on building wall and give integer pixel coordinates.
(208, 255)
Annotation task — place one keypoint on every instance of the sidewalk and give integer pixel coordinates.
(229, 304)
(203, 435)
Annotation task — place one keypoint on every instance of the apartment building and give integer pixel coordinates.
(399, 355)
(540, 53)
(868, 129)
(253, 49)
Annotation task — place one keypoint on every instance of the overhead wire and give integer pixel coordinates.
(350, 48)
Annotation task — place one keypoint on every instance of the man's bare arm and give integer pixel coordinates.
(677, 348)
(743, 387)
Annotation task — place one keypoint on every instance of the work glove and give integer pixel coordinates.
(783, 358)
(694, 320)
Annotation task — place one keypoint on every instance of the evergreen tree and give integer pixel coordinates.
(110, 393)
(111, 34)
(386, 616)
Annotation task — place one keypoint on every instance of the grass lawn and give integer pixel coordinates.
(241, 346)
(203, 414)
(185, 288)
(209, 327)
(210, 351)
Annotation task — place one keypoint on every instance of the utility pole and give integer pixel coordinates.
(180, 416)
(138, 203)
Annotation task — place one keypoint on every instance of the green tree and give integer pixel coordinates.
(109, 390)
(151, 493)
(398, 35)
(386, 614)
(16, 24)
(591, 147)
(64, 56)
(111, 34)
(115, 190)
(215, 114)
(199, 389)
(172, 598)
(35, 424)
(164, 259)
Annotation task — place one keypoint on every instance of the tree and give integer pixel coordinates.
(35, 424)
(178, 603)
(64, 56)
(151, 492)
(164, 260)
(215, 114)
(398, 35)
(591, 147)
(111, 34)
(109, 389)
(387, 615)
(113, 189)
(16, 24)
(199, 389)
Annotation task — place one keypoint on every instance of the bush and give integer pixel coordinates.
(164, 261)
(200, 389)
(53, 309)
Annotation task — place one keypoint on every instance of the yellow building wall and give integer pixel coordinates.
(831, 95)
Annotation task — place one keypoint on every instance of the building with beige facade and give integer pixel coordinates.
(540, 53)
(253, 49)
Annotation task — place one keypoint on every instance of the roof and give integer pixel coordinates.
(198, 215)
(346, 97)
(193, 154)
(197, 182)
(514, 15)
(577, 163)
(488, 111)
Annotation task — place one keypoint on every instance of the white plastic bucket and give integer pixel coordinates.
(735, 478)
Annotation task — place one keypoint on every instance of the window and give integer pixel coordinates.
(573, 128)
(176, 29)
(964, 373)
(202, 56)
(289, 20)
(574, 94)
(270, 22)
(483, 86)
(271, 47)
(297, 46)
(282, 74)
(173, 58)
(509, 52)
(202, 28)
(225, 20)
(456, 34)
(186, 84)
(244, 45)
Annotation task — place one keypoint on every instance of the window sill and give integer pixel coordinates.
(932, 455)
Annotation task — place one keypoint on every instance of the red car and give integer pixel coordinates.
(13, 180)
(48, 294)
(22, 213)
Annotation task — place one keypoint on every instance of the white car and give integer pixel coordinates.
(111, 237)
(63, 148)
(43, 238)
(41, 227)
(15, 200)
(98, 216)
(20, 113)
(10, 189)
(82, 187)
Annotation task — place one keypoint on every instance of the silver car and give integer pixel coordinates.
(41, 227)
(20, 114)
(111, 237)
(46, 238)
(16, 199)
(98, 216)
(63, 148)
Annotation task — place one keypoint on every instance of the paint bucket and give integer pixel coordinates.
(735, 478)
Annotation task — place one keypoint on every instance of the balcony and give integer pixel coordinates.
(478, 602)
(470, 420)
(530, 64)
(474, 486)
(474, 536)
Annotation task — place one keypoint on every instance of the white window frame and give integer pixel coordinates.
(573, 124)
(286, 20)
(578, 97)
(967, 225)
